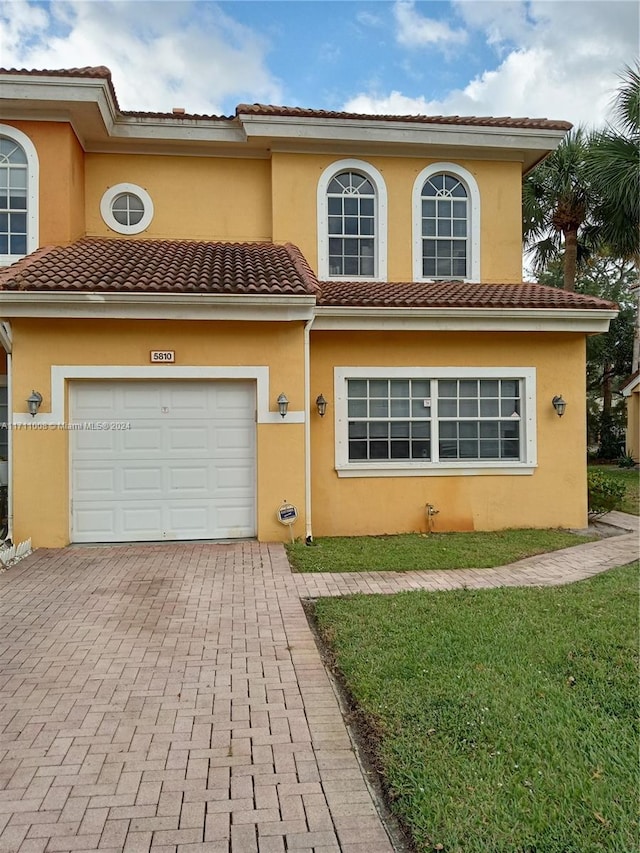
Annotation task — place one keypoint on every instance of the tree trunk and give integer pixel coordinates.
(570, 258)
(635, 363)
(607, 392)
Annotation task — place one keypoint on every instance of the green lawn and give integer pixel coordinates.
(503, 721)
(631, 478)
(415, 551)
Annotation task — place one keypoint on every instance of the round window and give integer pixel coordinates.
(127, 208)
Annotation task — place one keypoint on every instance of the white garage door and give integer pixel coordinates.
(183, 469)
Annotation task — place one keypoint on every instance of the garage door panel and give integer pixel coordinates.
(184, 470)
(95, 482)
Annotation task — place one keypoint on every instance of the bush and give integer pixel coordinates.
(605, 492)
(611, 436)
(627, 461)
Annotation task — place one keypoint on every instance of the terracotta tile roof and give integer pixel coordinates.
(102, 72)
(477, 121)
(163, 266)
(451, 294)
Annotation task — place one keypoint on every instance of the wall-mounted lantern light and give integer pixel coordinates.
(33, 403)
(321, 403)
(283, 404)
(559, 405)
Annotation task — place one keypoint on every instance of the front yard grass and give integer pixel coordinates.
(631, 478)
(415, 551)
(502, 720)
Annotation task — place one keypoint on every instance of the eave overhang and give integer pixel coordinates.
(336, 318)
(88, 105)
(155, 306)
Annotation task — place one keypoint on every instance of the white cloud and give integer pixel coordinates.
(161, 54)
(555, 60)
(414, 30)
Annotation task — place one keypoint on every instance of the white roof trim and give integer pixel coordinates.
(631, 385)
(170, 306)
(330, 318)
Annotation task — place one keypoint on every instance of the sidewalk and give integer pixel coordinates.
(557, 567)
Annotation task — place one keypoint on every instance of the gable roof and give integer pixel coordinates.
(98, 265)
(453, 294)
(94, 265)
(631, 383)
(101, 72)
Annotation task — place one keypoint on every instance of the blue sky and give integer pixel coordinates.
(479, 57)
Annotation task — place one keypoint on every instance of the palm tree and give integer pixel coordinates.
(613, 168)
(557, 209)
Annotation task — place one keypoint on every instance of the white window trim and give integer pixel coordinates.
(33, 179)
(381, 219)
(473, 236)
(449, 468)
(112, 222)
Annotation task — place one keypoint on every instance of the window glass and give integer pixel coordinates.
(13, 198)
(444, 214)
(352, 225)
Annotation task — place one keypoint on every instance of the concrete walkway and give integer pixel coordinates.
(171, 698)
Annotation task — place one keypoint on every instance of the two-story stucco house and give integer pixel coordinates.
(179, 290)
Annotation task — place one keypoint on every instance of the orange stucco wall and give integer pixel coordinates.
(41, 456)
(295, 181)
(61, 164)
(194, 198)
(553, 496)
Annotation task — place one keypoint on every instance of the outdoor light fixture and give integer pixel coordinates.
(283, 404)
(321, 403)
(559, 405)
(33, 403)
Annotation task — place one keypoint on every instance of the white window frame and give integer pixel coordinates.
(376, 179)
(439, 468)
(33, 178)
(107, 214)
(473, 218)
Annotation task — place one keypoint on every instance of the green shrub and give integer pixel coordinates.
(605, 492)
(627, 461)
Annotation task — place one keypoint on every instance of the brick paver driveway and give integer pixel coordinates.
(170, 698)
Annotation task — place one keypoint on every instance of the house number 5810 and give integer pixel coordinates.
(166, 356)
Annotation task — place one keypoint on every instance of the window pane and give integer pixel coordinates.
(400, 429)
(4, 222)
(378, 429)
(459, 191)
(444, 208)
(459, 268)
(459, 228)
(357, 408)
(489, 387)
(447, 388)
(489, 449)
(400, 450)
(429, 208)
(443, 268)
(420, 388)
(18, 179)
(18, 223)
(460, 209)
(448, 429)
(421, 449)
(420, 429)
(379, 450)
(378, 408)
(400, 408)
(510, 449)
(351, 266)
(508, 407)
(351, 206)
(509, 429)
(428, 268)
(366, 207)
(335, 225)
(448, 449)
(510, 387)
(378, 388)
(428, 227)
(366, 226)
(468, 388)
(399, 387)
(351, 225)
(357, 450)
(468, 408)
(418, 408)
(18, 244)
(357, 387)
(468, 449)
(334, 206)
(444, 228)
(351, 247)
(4, 244)
(489, 430)
(357, 429)
(468, 429)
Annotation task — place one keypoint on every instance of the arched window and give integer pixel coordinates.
(446, 224)
(352, 224)
(18, 195)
